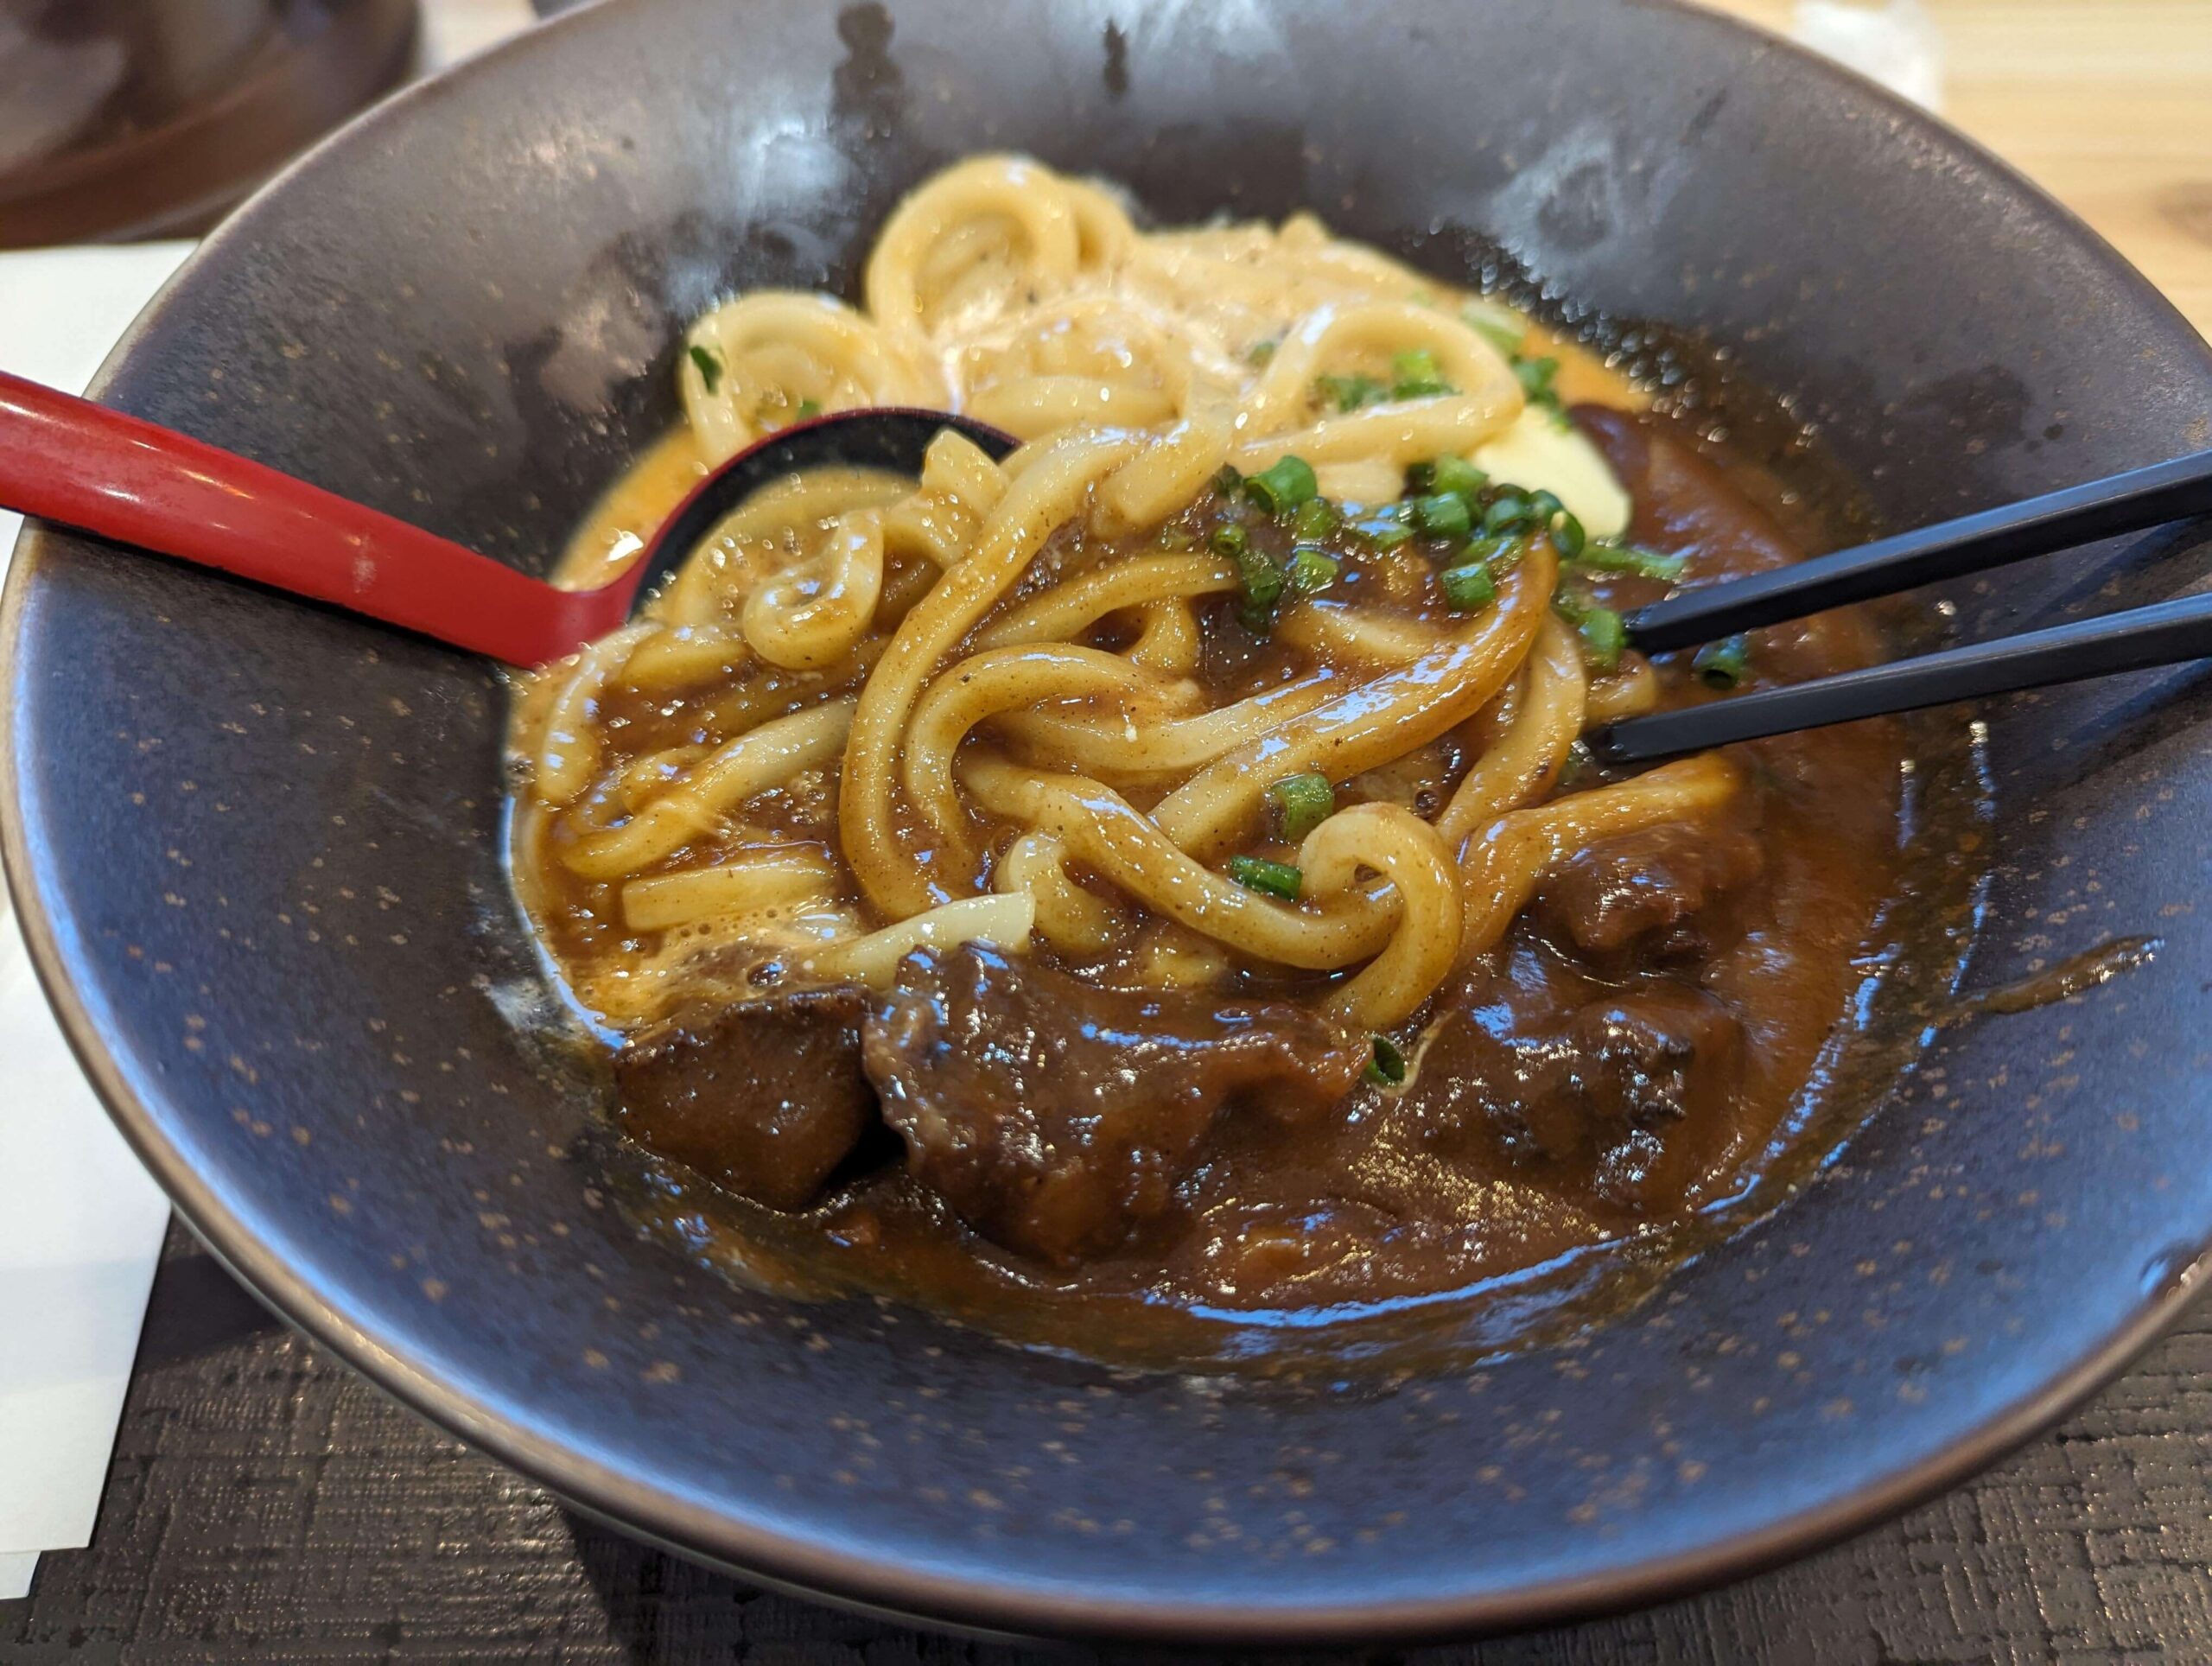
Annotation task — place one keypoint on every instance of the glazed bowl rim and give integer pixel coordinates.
(814, 1566)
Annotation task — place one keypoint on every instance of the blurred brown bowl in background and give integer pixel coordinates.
(132, 118)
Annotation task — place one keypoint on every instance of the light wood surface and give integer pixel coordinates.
(2105, 103)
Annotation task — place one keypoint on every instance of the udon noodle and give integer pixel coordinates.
(1002, 703)
(1154, 875)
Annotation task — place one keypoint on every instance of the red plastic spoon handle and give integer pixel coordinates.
(70, 460)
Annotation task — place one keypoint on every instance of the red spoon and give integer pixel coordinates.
(70, 460)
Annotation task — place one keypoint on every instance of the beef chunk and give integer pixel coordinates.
(1055, 1117)
(1598, 1094)
(765, 1096)
(1683, 501)
(1634, 896)
(1646, 1058)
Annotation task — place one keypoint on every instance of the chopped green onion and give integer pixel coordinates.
(1723, 665)
(1273, 879)
(1603, 635)
(1314, 518)
(1261, 578)
(1496, 323)
(1578, 767)
(1310, 569)
(808, 409)
(1610, 556)
(1568, 535)
(1443, 515)
(1468, 589)
(1499, 551)
(1285, 486)
(1178, 538)
(1385, 528)
(1544, 506)
(1457, 474)
(1259, 353)
(1536, 377)
(1350, 392)
(711, 367)
(1301, 803)
(1507, 512)
(1603, 638)
(1415, 374)
(1388, 1067)
(1263, 586)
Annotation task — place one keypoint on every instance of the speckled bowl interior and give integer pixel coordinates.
(256, 844)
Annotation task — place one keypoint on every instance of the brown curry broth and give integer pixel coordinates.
(1283, 1226)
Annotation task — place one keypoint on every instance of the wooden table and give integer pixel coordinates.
(2105, 103)
(265, 1503)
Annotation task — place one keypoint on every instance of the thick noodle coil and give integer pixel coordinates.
(1029, 700)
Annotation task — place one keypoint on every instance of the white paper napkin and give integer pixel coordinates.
(80, 1223)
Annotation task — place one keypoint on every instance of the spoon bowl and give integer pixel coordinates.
(69, 461)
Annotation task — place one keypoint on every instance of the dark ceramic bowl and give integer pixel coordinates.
(257, 845)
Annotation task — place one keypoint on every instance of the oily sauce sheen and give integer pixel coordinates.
(1625, 1057)
(1147, 895)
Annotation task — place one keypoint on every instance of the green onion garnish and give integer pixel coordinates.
(1226, 480)
(1496, 323)
(1603, 638)
(807, 409)
(1536, 377)
(711, 367)
(1578, 767)
(1609, 556)
(1263, 588)
(1468, 589)
(1273, 879)
(1311, 568)
(1314, 518)
(1507, 512)
(1544, 506)
(1443, 515)
(1499, 551)
(1415, 374)
(1261, 578)
(1388, 1067)
(1603, 635)
(1723, 665)
(1350, 392)
(1285, 486)
(1301, 803)
(1385, 528)
(1456, 474)
(1259, 353)
(1568, 535)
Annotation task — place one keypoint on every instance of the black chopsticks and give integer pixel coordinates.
(1972, 543)
(2132, 640)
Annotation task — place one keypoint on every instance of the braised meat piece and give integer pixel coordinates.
(764, 1095)
(1597, 1094)
(1652, 1057)
(1634, 895)
(1054, 1117)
